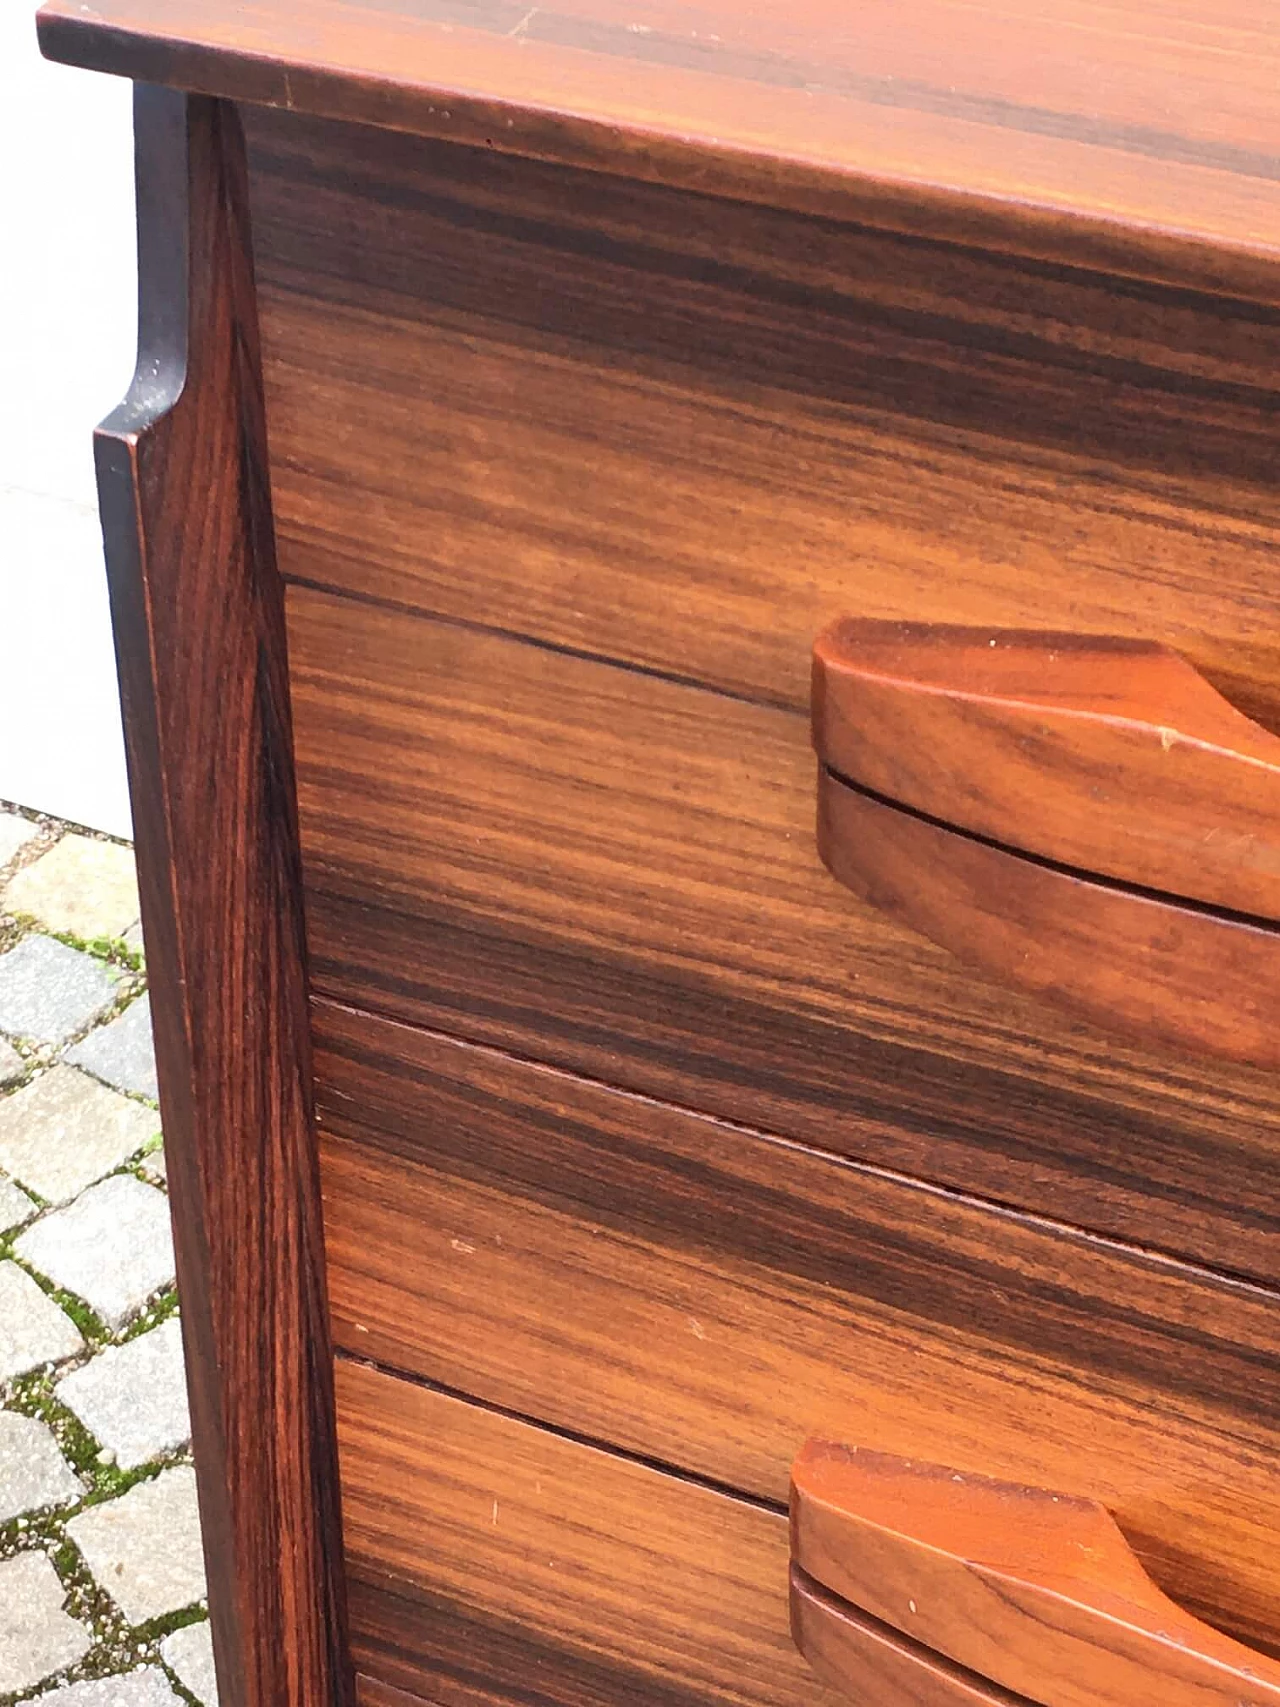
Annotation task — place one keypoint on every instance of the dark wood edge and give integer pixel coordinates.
(197, 611)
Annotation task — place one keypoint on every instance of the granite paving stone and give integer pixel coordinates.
(12, 1066)
(112, 1247)
(82, 887)
(33, 1472)
(15, 1205)
(33, 1330)
(121, 1052)
(146, 1687)
(133, 1398)
(188, 1653)
(133, 939)
(144, 1549)
(37, 1637)
(48, 991)
(64, 1130)
(15, 833)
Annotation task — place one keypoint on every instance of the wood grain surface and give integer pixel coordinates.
(1111, 756)
(493, 1562)
(1135, 965)
(867, 1662)
(1037, 1591)
(708, 1298)
(196, 606)
(371, 1692)
(687, 434)
(1141, 137)
(618, 874)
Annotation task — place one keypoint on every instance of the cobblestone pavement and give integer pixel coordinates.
(101, 1579)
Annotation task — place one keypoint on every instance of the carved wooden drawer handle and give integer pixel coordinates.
(875, 1665)
(1084, 817)
(951, 1588)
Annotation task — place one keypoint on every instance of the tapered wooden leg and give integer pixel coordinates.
(197, 608)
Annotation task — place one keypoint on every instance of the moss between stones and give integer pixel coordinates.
(159, 1310)
(112, 949)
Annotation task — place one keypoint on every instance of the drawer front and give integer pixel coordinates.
(618, 874)
(708, 1298)
(493, 1562)
(689, 434)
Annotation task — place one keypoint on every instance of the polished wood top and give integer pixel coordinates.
(1137, 136)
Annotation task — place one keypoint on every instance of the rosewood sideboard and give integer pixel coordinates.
(697, 601)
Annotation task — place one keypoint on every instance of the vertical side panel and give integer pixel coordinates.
(197, 611)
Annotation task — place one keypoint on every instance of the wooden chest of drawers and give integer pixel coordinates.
(559, 1143)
